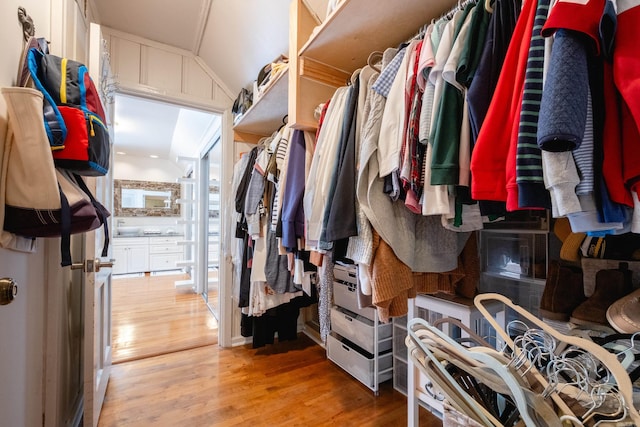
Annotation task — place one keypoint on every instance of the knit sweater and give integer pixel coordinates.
(420, 242)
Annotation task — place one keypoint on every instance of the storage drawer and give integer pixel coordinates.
(345, 293)
(358, 364)
(360, 330)
(428, 394)
(514, 255)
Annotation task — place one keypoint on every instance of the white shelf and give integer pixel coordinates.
(185, 263)
(185, 201)
(506, 275)
(266, 114)
(358, 27)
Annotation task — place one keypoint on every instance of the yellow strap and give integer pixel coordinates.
(63, 81)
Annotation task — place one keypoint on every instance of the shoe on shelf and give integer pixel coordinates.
(624, 314)
(563, 292)
(611, 285)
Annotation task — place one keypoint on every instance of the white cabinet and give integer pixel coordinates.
(164, 253)
(131, 255)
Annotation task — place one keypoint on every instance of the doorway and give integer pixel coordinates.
(161, 299)
(211, 212)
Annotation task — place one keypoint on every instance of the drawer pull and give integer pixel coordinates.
(346, 348)
(348, 318)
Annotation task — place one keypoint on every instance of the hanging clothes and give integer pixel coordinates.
(317, 185)
(292, 210)
(494, 155)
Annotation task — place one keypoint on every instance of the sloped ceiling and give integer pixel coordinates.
(235, 38)
(145, 127)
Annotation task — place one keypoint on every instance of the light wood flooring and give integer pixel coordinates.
(285, 384)
(150, 316)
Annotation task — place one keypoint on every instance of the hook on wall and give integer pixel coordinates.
(28, 28)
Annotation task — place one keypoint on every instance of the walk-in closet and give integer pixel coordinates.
(357, 212)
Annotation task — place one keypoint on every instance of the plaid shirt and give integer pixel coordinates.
(384, 82)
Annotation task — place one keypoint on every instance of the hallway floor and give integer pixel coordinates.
(150, 316)
(285, 384)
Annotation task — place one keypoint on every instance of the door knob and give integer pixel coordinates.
(100, 264)
(8, 290)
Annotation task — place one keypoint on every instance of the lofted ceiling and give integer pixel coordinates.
(235, 38)
(145, 127)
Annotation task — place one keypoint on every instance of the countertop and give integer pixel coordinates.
(122, 236)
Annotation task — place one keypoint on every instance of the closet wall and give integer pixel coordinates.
(34, 366)
(21, 322)
(144, 65)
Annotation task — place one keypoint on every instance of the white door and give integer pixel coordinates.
(97, 280)
(97, 323)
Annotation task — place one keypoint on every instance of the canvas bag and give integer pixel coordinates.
(69, 90)
(41, 201)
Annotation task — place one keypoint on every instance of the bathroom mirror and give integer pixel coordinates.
(146, 198)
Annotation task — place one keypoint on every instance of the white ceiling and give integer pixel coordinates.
(146, 127)
(235, 38)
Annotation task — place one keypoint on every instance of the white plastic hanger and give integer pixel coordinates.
(608, 359)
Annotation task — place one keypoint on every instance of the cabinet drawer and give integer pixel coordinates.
(165, 249)
(164, 262)
(171, 240)
(130, 241)
(357, 363)
(360, 330)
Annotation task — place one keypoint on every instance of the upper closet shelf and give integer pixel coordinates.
(267, 113)
(358, 27)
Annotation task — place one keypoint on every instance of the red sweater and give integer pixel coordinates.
(493, 158)
(626, 73)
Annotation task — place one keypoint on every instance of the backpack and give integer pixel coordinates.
(41, 200)
(73, 114)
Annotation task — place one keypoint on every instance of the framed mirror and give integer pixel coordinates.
(145, 198)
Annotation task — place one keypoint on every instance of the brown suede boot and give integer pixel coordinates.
(611, 285)
(563, 292)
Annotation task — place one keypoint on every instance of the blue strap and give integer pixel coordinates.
(53, 121)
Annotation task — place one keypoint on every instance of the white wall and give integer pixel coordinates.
(145, 169)
(22, 321)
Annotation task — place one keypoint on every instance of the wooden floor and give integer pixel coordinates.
(285, 384)
(150, 316)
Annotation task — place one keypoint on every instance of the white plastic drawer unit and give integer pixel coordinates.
(360, 330)
(345, 282)
(357, 363)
